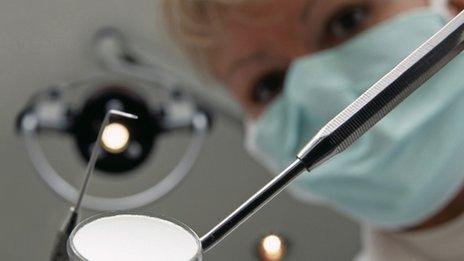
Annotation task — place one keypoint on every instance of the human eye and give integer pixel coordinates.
(268, 86)
(346, 22)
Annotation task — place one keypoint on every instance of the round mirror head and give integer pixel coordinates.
(124, 237)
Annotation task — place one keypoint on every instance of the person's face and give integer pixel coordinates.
(262, 38)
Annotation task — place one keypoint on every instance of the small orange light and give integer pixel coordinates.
(272, 248)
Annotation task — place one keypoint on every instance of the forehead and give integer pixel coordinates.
(257, 28)
(256, 9)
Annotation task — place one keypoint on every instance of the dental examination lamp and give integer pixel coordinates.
(126, 145)
(175, 241)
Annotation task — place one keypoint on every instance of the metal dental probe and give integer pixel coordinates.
(355, 120)
(59, 251)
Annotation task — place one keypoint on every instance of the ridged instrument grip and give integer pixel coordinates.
(386, 94)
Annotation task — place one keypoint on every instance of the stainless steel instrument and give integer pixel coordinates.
(356, 119)
(59, 250)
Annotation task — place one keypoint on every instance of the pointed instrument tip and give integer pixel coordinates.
(123, 114)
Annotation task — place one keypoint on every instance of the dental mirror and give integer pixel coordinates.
(115, 236)
(133, 236)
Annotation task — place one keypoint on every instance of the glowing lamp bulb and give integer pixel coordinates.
(115, 138)
(272, 248)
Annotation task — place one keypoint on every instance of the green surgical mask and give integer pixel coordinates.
(402, 171)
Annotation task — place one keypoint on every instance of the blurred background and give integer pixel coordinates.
(44, 42)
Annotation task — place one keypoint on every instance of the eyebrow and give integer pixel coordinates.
(304, 14)
(253, 57)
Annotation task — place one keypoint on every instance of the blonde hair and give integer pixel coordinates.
(193, 25)
(196, 24)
